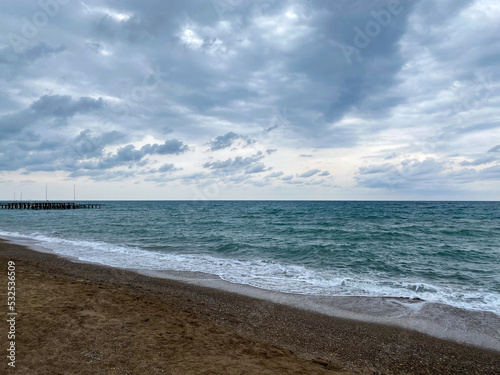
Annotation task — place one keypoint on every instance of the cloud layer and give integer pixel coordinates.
(283, 99)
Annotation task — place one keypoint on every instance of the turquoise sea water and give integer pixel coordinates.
(446, 252)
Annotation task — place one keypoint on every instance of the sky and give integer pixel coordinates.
(260, 99)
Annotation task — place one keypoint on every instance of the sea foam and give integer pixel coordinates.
(264, 274)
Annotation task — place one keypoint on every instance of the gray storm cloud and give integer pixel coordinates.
(253, 87)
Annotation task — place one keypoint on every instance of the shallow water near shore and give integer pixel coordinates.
(445, 253)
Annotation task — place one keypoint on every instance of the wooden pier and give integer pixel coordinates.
(46, 205)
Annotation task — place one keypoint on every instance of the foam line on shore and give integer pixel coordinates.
(261, 274)
(86, 291)
(478, 328)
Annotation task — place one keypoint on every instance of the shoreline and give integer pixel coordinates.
(259, 336)
(471, 327)
(476, 328)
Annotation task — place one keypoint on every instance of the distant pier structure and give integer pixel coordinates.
(47, 205)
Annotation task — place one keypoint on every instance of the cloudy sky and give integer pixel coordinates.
(250, 99)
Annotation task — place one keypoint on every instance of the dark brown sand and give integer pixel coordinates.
(76, 318)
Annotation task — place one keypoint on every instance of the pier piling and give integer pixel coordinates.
(47, 205)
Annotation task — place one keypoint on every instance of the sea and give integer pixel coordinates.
(443, 253)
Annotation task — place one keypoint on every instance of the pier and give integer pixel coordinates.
(47, 205)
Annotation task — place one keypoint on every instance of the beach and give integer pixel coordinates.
(84, 318)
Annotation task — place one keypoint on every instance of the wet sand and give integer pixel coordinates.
(76, 318)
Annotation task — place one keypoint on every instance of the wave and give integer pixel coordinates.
(264, 274)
